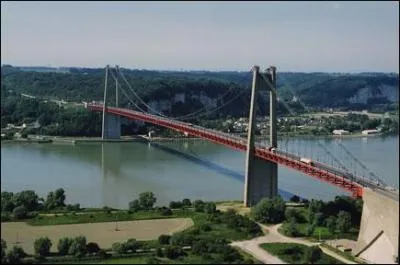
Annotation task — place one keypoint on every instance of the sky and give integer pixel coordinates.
(293, 36)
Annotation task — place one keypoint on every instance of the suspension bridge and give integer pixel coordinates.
(262, 160)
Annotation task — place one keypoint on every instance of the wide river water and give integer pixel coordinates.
(112, 174)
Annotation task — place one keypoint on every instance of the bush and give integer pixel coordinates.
(42, 246)
(210, 208)
(290, 229)
(134, 206)
(312, 254)
(199, 205)
(20, 212)
(343, 222)
(164, 239)
(173, 252)
(205, 227)
(269, 210)
(175, 205)
(159, 252)
(78, 246)
(16, 255)
(92, 247)
(152, 260)
(295, 198)
(186, 203)
(64, 245)
(165, 211)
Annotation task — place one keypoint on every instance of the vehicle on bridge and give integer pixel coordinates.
(272, 149)
(306, 160)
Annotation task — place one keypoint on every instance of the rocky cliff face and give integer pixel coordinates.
(389, 93)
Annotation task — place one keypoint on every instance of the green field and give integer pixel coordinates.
(294, 253)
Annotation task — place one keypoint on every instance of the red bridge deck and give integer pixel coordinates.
(239, 144)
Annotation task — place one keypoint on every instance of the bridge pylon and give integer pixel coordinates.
(111, 125)
(261, 179)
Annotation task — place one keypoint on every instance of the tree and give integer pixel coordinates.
(269, 210)
(3, 251)
(147, 200)
(20, 212)
(210, 208)
(92, 247)
(186, 202)
(119, 248)
(199, 205)
(42, 246)
(310, 229)
(64, 245)
(16, 255)
(343, 222)
(159, 252)
(291, 213)
(164, 239)
(175, 205)
(295, 198)
(27, 198)
(330, 223)
(78, 246)
(134, 206)
(173, 252)
(290, 228)
(312, 254)
(318, 219)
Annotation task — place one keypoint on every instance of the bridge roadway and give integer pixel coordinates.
(344, 180)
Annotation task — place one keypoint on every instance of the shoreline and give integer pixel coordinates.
(143, 138)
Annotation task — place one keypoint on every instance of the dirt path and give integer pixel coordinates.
(252, 246)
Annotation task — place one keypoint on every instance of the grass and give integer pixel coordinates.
(99, 217)
(343, 254)
(282, 251)
(322, 233)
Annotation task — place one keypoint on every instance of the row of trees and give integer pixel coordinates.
(26, 203)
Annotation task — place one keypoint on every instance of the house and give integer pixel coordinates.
(340, 132)
(366, 132)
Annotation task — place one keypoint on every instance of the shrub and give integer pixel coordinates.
(20, 212)
(175, 205)
(164, 239)
(295, 198)
(186, 202)
(205, 227)
(312, 254)
(269, 210)
(92, 247)
(64, 245)
(199, 205)
(78, 246)
(42, 246)
(173, 252)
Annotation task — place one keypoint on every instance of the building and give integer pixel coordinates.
(340, 132)
(366, 132)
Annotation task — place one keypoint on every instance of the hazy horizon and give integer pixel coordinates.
(184, 70)
(329, 37)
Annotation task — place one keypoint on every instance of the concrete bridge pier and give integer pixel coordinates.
(378, 239)
(261, 179)
(111, 127)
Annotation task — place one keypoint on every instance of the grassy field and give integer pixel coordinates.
(99, 217)
(283, 251)
(103, 234)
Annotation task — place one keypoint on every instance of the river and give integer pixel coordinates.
(112, 174)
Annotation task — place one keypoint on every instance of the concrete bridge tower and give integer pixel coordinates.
(261, 179)
(111, 126)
